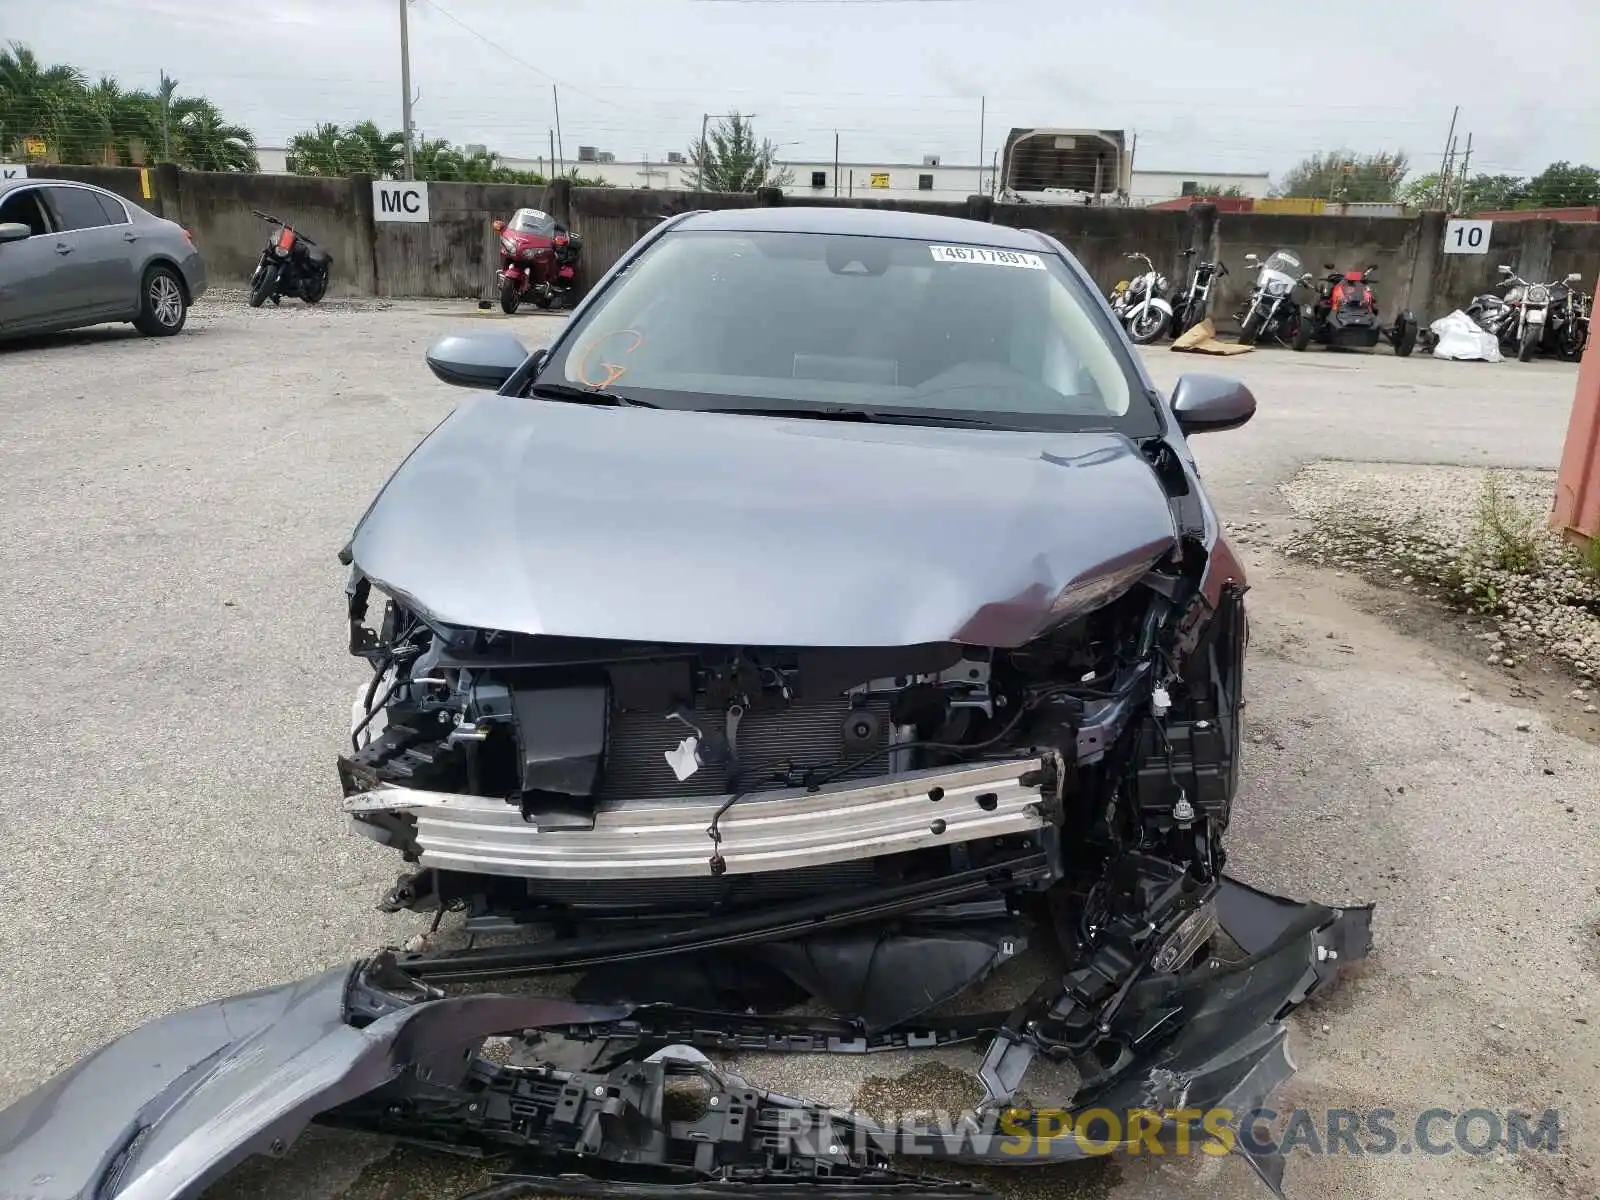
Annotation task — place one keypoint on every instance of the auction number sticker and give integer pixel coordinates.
(992, 258)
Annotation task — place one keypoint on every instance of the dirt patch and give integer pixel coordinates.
(1459, 559)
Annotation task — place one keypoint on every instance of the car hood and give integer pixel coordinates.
(638, 524)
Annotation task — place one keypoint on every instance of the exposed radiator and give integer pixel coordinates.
(805, 734)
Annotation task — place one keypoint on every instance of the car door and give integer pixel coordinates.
(98, 263)
(33, 289)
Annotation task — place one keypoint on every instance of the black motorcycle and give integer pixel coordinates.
(1566, 324)
(1192, 301)
(291, 265)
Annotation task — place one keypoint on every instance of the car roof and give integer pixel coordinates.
(11, 185)
(866, 222)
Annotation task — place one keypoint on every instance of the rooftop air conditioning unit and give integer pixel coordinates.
(587, 154)
(675, 158)
(606, 156)
(476, 148)
(930, 160)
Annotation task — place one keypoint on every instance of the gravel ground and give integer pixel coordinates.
(171, 512)
(1474, 539)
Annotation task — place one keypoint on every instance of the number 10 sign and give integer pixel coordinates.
(1467, 237)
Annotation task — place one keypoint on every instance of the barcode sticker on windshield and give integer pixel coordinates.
(992, 258)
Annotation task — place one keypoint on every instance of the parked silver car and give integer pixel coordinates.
(72, 255)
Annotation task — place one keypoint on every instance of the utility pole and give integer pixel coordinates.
(554, 170)
(983, 104)
(1466, 160)
(1444, 162)
(835, 164)
(561, 151)
(405, 88)
(700, 165)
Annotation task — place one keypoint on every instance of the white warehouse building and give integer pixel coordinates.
(930, 179)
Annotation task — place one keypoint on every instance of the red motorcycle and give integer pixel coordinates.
(538, 259)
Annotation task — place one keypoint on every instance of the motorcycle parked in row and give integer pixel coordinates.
(1345, 315)
(1192, 302)
(538, 260)
(1551, 318)
(1271, 312)
(291, 265)
(1138, 303)
(1500, 315)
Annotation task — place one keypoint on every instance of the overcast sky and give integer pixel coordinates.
(896, 79)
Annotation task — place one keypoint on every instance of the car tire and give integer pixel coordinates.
(163, 303)
(263, 285)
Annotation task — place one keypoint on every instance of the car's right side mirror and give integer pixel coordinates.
(1211, 403)
(14, 231)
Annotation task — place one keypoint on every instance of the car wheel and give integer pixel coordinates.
(163, 307)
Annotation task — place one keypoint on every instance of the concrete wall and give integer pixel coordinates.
(454, 255)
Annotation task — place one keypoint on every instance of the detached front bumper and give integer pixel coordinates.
(767, 831)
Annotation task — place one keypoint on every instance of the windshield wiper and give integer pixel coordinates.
(876, 416)
(572, 394)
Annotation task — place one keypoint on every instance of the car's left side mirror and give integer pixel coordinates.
(476, 360)
(1211, 403)
(14, 231)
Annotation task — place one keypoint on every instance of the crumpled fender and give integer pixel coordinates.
(164, 1111)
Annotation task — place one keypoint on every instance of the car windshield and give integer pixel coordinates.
(531, 220)
(710, 319)
(1283, 262)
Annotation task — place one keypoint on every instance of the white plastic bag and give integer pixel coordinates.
(1461, 338)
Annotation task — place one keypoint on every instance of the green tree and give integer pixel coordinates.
(1211, 189)
(1344, 175)
(202, 140)
(1562, 185)
(373, 151)
(35, 100)
(101, 123)
(316, 151)
(731, 160)
(1485, 193)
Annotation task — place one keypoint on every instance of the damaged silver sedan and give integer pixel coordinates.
(832, 611)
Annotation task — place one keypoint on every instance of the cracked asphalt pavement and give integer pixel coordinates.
(173, 640)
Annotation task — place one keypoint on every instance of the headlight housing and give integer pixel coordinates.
(1278, 287)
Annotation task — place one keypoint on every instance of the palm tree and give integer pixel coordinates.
(106, 120)
(202, 140)
(317, 151)
(35, 101)
(437, 159)
(373, 151)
